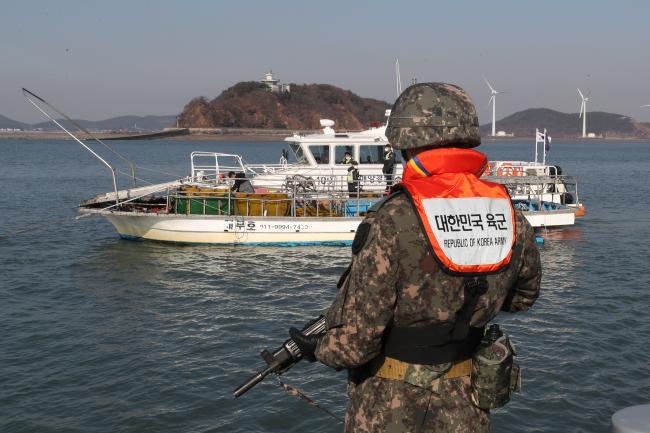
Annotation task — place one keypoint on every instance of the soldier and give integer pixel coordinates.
(432, 264)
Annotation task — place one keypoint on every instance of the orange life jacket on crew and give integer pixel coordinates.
(469, 222)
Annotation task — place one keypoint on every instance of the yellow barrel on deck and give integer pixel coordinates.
(262, 204)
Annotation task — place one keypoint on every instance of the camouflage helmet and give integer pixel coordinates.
(433, 115)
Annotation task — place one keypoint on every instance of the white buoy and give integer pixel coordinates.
(633, 419)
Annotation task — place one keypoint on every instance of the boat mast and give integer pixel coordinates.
(536, 141)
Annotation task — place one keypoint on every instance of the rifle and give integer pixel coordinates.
(283, 358)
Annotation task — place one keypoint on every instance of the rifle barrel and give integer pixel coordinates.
(251, 382)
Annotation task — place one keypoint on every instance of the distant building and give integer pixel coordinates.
(505, 134)
(274, 84)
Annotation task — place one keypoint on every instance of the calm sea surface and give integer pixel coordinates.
(100, 334)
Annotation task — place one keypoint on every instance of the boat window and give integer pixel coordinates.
(298, 153)
(339, 153)
(321, 153)
(371, 154)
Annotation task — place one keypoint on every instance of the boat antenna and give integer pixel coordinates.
(29, 95)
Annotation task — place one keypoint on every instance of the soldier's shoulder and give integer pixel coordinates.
(392, 208)
(524, 233)
(522, 224)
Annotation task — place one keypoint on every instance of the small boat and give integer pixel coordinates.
(537, 178)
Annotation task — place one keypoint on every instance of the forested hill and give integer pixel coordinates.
(567, 125)
(250, 104)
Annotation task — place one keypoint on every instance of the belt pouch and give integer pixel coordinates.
(495, 375)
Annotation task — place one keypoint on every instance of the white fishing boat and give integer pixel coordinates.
(203, 208)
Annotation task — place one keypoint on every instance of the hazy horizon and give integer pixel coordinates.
(101, 60)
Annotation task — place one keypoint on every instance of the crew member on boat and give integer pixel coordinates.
(353, 179)
(240, 183)
(347, 158)
(389, 165)
(413, 304)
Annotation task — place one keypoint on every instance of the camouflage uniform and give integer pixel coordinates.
(394, 280)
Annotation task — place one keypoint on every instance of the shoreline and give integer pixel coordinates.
(238, 135)
(224, 136)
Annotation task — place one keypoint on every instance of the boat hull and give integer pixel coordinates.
(554, 218)
(229, 230)
(232, 230)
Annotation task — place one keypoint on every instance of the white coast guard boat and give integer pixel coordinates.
(320, 158)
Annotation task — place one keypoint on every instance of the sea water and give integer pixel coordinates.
(102, 334)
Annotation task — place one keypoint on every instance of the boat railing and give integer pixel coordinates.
(557, 189)
(210, 166)
(521, 168)
(288, 202)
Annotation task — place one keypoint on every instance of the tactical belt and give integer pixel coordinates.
(431, 345)
(391, 368)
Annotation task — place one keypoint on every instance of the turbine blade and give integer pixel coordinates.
(489, 85)
(491, 100)
(581, 95)
(647, 105)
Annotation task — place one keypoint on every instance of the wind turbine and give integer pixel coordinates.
(493, 100)
(398, 78)
(583, 112)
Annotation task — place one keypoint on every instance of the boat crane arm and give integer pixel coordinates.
(31, 96)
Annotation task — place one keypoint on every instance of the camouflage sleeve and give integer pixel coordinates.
(526, 289)
(364, 305)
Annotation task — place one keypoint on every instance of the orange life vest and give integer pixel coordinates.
(469, 222)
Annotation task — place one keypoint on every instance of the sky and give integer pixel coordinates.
(100, 59)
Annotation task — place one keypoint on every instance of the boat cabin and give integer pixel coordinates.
(329, 148)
